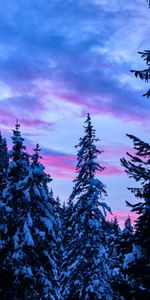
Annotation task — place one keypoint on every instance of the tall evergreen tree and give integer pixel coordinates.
(113, 243)
(58, 233)
(127, 237)
(41, 230)
(86, 276)
(67, 211)
(4, 161)
(28, 247)
(11, 212)
(138, 167)
(113, 246)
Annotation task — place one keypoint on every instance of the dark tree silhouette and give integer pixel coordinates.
(138, 168)
(145, 73)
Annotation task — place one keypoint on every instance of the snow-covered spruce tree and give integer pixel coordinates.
(126, 240)
(4, 161)
(67, 211)
(137, 265)
(87, 275)
(125, 243)
(35, 253)
(11, 214)
(113, 246)
(113, 243)
(58, 232)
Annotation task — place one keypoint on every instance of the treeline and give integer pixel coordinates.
(70, 251)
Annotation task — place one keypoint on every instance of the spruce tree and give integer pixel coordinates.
(138, 266)
(126, 240)
(145, 73)
(42, 230)
(113, 243)
(12, 214)
(67, 211)
(113, 246)
(4, 161)
(58, 233)
(86, 275)
(28, 247)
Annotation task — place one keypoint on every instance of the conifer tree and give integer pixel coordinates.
(42, 234)
(28, 248)
(127, 237)
(113, 246)
(4, 161)
(86, 275)
(145, 73)
(58, 233)
(138, 266)
(67, 211)
(11, 213)
(113, 243)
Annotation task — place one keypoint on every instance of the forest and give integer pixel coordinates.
(71, 251)
(51, 250)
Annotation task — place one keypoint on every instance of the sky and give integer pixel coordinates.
(60, 60)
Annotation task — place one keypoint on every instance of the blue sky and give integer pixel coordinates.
(62, 59)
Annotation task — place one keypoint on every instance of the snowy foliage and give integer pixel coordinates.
(138, 263)
(28, 238)
(71, 252)
(3, 164)
(85, 271)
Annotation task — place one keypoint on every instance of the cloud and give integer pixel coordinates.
(122, 216)
(25, 108)
(62, 59)
(112, 170)
(64, 165)
(83, 52)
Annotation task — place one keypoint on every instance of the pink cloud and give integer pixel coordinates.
(65, 166)
(103, 103)
(9, 118)
(122, 216)
(60, 166)
(117, 150)
(112, 170)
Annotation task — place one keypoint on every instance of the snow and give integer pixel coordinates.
(41, 167)
(16, 240)
(36, 191)
(116, 272)
(12, 165)
(29, 220)
(27, 235)
(47, 222)
(44, 194)
(27, 195)
(40, 233)
(5, 192)
(133, 256)
(26, 270)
